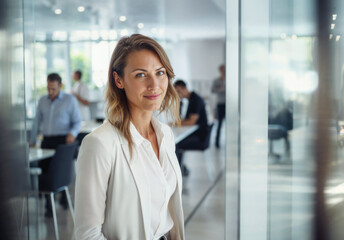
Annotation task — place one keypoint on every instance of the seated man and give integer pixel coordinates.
(58, 119)
(195, 114)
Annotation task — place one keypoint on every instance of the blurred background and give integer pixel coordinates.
(278, 173)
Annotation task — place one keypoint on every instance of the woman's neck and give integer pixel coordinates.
(142, 123)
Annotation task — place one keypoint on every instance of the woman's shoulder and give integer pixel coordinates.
(166, 129)
(106, 134)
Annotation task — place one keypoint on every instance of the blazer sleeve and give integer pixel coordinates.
(93, 171)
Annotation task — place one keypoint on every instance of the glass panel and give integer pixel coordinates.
(335, 178)
(293, 81)
(13, 148)
(270, 161)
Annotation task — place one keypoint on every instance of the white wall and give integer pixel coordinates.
(196, 61)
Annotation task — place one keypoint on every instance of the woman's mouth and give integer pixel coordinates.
(153, 96)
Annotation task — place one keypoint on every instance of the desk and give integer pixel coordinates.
(89, 126)
(183, 132)
(37, 154)
(179, 133)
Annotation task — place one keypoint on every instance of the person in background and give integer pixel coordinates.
(195, 115)
(58, 119)
(219, 88)
(129, 184)
(81, 92)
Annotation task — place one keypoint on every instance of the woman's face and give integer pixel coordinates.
(144, 81)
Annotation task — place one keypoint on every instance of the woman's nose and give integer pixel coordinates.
(153, 82)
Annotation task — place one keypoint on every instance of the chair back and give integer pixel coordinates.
(60, 170)
(206, 140)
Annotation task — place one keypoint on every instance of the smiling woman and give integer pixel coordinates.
(129, 182)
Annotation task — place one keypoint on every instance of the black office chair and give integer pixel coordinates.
(199, 145)
(276, 132)
(278, 128)
(58, 177)
(204, 144)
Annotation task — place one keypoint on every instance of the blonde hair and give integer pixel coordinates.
(118, 112)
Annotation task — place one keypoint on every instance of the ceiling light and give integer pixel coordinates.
(122, 18)
(332, 25)
(337, 38)
(140, 25)
(124, 32)
(81, 9)
(334, 17)
(331, 36)
(58, 11)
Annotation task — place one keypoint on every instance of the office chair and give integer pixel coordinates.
(199, 145)
(58, 177)
(276, 132)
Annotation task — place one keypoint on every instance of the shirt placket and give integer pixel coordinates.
(51, 117)
(158, 168)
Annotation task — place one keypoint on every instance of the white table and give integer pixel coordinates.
(179, 133)
(182, 132)
(89, 126)
(37, 154)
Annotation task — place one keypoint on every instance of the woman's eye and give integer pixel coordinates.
(140, 75)
(160, 73)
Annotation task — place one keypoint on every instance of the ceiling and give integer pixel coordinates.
(176, 19)
(171, 19)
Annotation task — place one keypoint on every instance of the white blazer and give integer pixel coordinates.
(111, 195)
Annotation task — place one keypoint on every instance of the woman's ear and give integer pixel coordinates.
(118, 80)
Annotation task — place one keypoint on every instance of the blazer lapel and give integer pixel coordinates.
(142, 186)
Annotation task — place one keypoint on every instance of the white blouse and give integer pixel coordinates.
(161, 177)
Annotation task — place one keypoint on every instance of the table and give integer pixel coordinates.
(179, 133)
(37, 154)
(89, 126)
(183, 132)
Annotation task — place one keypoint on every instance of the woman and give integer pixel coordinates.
(128, 183)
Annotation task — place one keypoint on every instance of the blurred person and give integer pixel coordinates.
(219, 88)
(58, 119)
(129, 182)
(195, 115)
(81, 92)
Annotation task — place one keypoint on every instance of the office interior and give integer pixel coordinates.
(278, 173)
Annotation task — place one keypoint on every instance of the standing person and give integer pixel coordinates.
(58, 119)
(129, 182)
(195, 115)
(80, 91)
(219, 88)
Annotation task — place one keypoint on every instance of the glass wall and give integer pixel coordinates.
(13, 147)
(284, 131)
